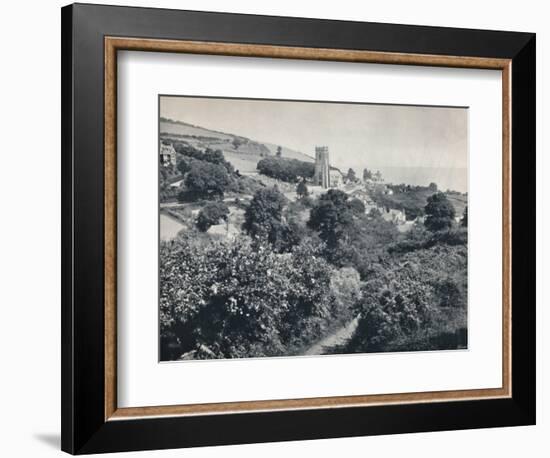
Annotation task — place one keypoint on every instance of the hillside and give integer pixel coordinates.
(244, 153)
(413, 201)
(289, 153)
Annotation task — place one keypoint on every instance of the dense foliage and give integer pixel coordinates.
(332, 216)
(208, 155)
(264, 221)
(351, 238)
(233, 299)
(205, 180)
(289, 170)
(440, 212)
(212, 213)
(416, 300)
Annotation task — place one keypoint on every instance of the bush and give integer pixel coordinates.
(414, 302)
(394, 304)
(211, 214)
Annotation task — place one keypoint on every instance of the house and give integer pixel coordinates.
(394, 216)
(167, 154)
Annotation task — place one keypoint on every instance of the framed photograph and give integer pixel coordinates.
(283, 228)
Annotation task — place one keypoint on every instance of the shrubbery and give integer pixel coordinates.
(233, 299)
(417, 301)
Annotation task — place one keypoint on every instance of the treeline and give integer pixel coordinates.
(289, 170)
(208, 155)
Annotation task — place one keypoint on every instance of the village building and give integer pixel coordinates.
(395, 216)
(167, 154)
(365, 197)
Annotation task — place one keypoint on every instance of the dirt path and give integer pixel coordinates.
(338, 337)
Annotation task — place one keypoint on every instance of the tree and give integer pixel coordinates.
(263, 218)
(183, 166)
(207, 180)
(367, 175)
(432, 187)
(212, 213)
(301, 189)
(279, 151)
(237, 142)
(440, 212)
(331, 216)
(351, 177)
(464, 220)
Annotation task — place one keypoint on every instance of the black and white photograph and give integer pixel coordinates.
(275, 229)
(303, 228)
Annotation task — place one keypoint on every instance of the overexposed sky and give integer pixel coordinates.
(358, 135)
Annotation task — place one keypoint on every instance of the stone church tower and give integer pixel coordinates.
(321, 176)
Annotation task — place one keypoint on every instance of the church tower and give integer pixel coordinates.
(321, 176)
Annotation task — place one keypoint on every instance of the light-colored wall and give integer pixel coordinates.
(30, 229)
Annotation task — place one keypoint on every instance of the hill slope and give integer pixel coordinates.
(244, 153)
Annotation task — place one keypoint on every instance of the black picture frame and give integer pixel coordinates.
(84, 428)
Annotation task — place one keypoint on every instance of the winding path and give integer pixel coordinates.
(339, 337)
